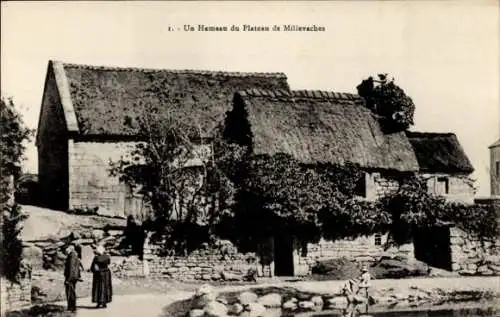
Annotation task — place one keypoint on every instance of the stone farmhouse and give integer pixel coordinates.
(495, 168)
(87, 119)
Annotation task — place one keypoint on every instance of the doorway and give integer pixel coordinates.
(432, 246)
(283, 255)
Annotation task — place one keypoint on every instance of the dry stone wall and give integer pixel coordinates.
(471, 256)
(15, 295)
(209, 264)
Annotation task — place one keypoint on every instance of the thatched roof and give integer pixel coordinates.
(439, 152)
(323, 127)
(106, 100)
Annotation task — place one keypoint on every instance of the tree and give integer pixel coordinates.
(13, 134)
(388, 100)
(173, 166)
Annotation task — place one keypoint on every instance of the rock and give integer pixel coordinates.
(205, 289)
(203, 296)
(196, 313)
(246, 298)
(215, 309)
(222, 300)
(235, 309)
(34, 255)
(317, 300)
(467, 272)
(359, 299)
(306, 305)
(83, 241)
(270, 300)
(97, 234)
(206, 277)
(493, 259)
(74, 236)
(338, 301)
(289, 305)
(215, 277)
(494, 268)
(113, 233)
(227, 276)
(365, 258)
(255, 310)
(484, 270)
(60, 255)
(400, 297)
(472, 267)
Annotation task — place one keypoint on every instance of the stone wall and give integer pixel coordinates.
(15, 295)
(363, 249)
(460, 189)
(209, 264)
(52, 149)
(471, 256)
(90, 184)
(378, 185)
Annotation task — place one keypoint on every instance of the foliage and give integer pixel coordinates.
(12, 247)
(13, 134)
(175, 169)
(388, 100)
(413, 207)
(477, 219)
(278, 193)
(352, 218)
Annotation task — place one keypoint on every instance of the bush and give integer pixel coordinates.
(12, 247)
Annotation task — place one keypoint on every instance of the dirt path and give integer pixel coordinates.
(153, 305)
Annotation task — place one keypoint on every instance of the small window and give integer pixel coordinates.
(498, 168)
(442, 186)
(378, 239)
(360, 189)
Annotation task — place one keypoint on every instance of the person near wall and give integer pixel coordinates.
(72, 274)
(78, 250)
(102, 288)
(135, 236)
(364, 281)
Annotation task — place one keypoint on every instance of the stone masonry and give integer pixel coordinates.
(15, 295)
(90, 184)
(471, 256)
(208, 264)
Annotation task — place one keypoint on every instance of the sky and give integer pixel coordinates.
(445, 55)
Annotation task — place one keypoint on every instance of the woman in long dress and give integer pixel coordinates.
(102, 288)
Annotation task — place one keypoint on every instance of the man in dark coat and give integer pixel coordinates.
(72, 275)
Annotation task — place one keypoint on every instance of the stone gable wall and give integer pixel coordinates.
(459, 189)
(52, 149)
(90, 184)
